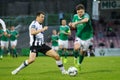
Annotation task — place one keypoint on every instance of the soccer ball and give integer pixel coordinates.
(72, 71)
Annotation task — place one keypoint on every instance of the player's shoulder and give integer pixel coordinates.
(67, 26)
(86, 14)
(75, 15)
(34, 22)
(16, 31)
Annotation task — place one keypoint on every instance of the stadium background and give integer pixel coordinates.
(20, 13)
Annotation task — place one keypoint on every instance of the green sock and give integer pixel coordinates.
(1, 52)
(11, 51)
(14, 52)
(66, 54)
(60, 51)
(76, 53)
(81, 57)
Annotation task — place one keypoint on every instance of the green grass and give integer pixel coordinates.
(44, 68)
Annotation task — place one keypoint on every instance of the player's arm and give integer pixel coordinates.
(5, 33)
(3, 24)
(68, 33)
(17, 34)
(82, 21)
(34, 31)
(79, 22)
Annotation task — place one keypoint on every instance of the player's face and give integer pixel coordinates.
(80, 12)
(41, 18)
(63, 22)
(12, 28)
(54, 32)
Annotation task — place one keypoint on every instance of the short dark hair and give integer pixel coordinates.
(80, 6)
(40, 12)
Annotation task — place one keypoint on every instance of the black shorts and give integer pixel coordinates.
(43, 49)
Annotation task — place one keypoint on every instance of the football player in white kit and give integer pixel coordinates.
(36, 31)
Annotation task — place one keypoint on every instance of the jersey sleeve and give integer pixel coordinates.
(33, 26)
(86, 16)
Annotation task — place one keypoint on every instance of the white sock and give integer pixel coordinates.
(60, 65)
(88, 53)
(23, 65)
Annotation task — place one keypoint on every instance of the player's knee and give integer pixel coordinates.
(76, 48)
(57, 57)
(31, 61)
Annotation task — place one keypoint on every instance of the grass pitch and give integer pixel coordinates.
(44, 68)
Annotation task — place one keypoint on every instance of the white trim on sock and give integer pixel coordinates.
(60, 63)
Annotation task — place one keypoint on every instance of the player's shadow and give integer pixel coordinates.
(48, 72)
(97, 71)
(41, 73)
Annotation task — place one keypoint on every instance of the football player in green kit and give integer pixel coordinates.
(54, 40)
(81, 21)
(4, 42)
(64, 32)
(13, 40)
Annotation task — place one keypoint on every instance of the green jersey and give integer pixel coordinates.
(63, 29)
(84, 30)
(54, 39)
(4, 37)
(13, 34)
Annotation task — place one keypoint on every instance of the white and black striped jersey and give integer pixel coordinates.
(38, 39)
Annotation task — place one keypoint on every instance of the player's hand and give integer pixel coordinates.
(74, 24)
(9, 35)
(5, 33)
(70, 24)
(45, 28)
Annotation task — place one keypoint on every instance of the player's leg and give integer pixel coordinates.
(30, 60)
(60, 50)
(54, 55)
(65, 55)
(65, 47)
(76, 52)
(7, 48)
(13, 48)
(88, 52)
(2, 49)
(83, 49)
(81, 56)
